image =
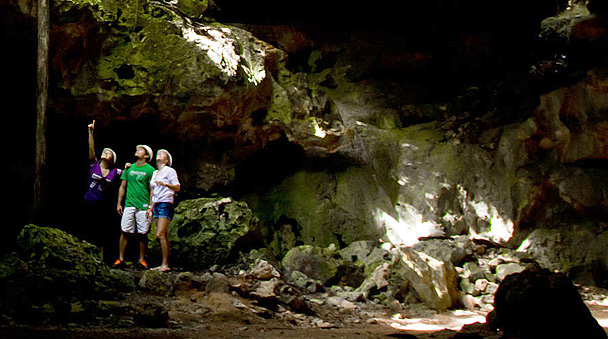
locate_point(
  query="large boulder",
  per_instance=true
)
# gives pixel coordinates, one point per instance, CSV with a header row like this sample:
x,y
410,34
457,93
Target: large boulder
x,y
54,276
410,276
530,304
314,262
209,231
435,281
449,250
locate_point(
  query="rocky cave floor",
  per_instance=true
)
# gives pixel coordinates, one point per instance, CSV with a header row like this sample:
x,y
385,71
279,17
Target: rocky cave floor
x,y
224,312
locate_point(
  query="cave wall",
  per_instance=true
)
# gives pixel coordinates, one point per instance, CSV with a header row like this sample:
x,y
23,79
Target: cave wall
x,y
342,121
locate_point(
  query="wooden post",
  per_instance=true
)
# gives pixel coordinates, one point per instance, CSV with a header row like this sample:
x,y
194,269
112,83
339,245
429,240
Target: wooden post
x,y
41,103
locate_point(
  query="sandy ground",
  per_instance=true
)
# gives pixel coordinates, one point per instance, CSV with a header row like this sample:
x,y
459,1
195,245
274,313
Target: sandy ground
x,y
195,314
222,321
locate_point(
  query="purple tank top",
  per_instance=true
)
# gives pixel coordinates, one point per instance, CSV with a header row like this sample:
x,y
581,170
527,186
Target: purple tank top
x,y
98,184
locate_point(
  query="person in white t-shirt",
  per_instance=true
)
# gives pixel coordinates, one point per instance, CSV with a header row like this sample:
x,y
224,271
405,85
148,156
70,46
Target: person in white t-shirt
x,y
163,185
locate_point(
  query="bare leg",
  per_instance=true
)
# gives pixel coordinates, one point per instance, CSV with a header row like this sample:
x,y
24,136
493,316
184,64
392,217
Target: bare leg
x,y
162,234
142,249
122,246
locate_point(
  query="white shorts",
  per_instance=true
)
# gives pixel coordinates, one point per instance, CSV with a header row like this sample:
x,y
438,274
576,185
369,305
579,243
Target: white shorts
x,y
132,217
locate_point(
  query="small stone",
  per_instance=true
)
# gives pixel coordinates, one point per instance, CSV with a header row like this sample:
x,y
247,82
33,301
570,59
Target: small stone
x,y
237,303
348,305
468,301
506,269
321,323
491,288
473,272
481,285
495,262
487,299
264,271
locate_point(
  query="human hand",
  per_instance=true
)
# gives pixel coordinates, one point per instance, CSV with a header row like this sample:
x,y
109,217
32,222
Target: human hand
x,y
91,126
127,165
119,209
149,214
160,183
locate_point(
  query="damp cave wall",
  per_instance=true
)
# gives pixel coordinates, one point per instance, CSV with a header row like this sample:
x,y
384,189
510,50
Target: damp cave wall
x,y
503,45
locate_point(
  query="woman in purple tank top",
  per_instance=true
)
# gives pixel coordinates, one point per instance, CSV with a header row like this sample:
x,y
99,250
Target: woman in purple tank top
x,y
101,226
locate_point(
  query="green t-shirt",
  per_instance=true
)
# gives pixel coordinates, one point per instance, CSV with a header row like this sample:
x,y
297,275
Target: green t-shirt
x,y
138,185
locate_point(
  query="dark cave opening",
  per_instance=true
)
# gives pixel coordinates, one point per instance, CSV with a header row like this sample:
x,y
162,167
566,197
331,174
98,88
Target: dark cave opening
x,y
268,166
19,69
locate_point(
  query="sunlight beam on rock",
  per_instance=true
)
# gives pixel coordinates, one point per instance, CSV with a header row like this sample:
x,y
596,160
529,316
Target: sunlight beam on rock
x,y
221,50
408,227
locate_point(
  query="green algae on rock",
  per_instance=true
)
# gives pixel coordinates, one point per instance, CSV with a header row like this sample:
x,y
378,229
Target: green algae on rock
x,y
55,276
319,206
209,231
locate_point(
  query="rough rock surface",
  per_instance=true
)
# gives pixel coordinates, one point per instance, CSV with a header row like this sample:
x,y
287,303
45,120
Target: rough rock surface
x,y
579,252
209,231
54,276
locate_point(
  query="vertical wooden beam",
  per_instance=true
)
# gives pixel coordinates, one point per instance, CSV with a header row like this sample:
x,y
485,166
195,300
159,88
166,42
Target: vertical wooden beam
x,y
41,103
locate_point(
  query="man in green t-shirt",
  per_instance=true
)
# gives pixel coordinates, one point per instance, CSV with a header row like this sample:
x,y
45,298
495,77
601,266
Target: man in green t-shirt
x,y
136,185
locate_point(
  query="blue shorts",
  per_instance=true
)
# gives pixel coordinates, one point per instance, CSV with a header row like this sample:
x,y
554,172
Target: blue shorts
x,y
163,210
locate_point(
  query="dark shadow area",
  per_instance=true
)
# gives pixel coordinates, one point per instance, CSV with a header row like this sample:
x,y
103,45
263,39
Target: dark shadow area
x,y
468,42
19,109
268,166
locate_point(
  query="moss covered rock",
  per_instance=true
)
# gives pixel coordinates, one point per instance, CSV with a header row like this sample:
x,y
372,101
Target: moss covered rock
x,y
54,276
315,262
320,206
149,47
156,282
209,231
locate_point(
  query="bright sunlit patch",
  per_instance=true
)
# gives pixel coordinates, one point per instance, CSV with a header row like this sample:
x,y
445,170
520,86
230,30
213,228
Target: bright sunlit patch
x,y
599,310
222,52
318,130
603,322
219,48
406,145
403,181
409,226
446,321
501,229
525,245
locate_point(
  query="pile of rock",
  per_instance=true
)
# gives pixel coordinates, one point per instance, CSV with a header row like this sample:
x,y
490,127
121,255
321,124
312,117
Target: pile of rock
x,y
479,281
480,266
258,292
384,274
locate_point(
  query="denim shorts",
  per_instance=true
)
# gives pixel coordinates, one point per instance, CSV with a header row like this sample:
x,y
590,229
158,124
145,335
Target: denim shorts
x,y
163,210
